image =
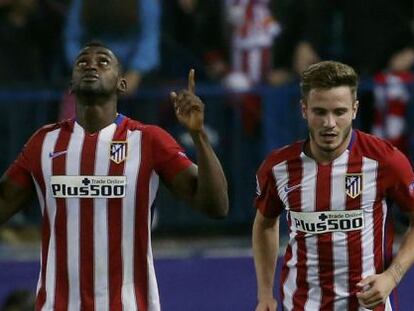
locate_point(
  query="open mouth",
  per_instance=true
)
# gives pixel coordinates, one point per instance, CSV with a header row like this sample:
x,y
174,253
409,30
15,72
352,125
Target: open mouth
x,y
90,77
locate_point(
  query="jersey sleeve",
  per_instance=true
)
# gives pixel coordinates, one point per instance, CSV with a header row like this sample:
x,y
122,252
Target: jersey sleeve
x,y
168,156
401,187
20,171
267,200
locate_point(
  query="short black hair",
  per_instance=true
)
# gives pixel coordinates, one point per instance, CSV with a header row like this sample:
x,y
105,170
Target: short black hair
x,y
95,43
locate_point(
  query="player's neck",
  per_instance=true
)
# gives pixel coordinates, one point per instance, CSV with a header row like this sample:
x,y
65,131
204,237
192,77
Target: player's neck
x,y
94,117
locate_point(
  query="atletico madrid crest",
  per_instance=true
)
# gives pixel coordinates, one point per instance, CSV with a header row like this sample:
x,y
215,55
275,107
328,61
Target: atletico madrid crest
x,y
118,151
353,185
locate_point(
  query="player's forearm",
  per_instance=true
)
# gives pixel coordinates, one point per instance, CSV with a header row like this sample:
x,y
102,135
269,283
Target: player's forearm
x,y
404,258
211,194
265,252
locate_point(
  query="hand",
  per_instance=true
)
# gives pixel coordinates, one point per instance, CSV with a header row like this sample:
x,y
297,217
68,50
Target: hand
x,y
375,289
188,107
268,304
303,57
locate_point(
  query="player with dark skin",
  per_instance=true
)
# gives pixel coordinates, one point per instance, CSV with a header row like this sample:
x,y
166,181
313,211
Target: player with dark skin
x,y
97,81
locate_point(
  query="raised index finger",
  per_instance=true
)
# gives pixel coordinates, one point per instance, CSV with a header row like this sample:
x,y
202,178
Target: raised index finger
x,y
191,82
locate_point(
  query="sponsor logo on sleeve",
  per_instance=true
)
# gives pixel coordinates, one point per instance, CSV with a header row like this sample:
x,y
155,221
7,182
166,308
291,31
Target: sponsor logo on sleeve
x,y
88,186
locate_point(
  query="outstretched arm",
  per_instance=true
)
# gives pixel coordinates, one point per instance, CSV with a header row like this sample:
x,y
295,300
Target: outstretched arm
x,y
376,288
204,185
265,250
12,198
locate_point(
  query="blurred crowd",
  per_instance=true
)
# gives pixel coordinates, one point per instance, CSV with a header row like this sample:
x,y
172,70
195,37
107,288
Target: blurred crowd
x,y
237,43
234,41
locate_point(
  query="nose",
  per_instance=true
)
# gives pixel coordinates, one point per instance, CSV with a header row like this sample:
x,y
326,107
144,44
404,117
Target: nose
x,y
91,64
329,121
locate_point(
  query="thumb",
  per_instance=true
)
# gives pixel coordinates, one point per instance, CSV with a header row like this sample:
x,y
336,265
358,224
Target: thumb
x,y
365,282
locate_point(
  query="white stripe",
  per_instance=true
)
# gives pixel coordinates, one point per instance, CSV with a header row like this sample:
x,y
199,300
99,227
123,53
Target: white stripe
x,y
48,146
73,219
153,295
289,287
131,169
384,222
339,239
369,168
281,177
254,64
100,222
308,204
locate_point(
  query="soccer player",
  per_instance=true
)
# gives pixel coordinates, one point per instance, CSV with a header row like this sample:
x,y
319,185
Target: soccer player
x,y
96,178
333,187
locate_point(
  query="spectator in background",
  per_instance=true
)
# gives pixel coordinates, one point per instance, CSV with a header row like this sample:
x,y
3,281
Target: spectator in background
x,y
129,27
252,32
21,36
369,35
193,36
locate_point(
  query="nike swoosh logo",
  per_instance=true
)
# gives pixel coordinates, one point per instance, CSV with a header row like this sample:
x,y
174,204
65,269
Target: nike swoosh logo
x,y
290,189
56,154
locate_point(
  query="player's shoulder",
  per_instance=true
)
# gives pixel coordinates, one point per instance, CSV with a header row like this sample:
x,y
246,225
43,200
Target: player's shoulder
x,y
374,147
149,130
286,153
47,128
133,124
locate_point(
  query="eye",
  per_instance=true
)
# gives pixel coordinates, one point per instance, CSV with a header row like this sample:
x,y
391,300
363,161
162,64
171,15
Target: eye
x,y
104,62
81,63
340,112
319,112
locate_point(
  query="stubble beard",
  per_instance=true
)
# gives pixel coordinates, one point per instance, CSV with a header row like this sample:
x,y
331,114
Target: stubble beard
x,y
330,149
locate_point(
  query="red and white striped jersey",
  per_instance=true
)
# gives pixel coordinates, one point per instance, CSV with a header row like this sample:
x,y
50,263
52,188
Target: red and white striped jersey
x,y
96,192
253,32
339,226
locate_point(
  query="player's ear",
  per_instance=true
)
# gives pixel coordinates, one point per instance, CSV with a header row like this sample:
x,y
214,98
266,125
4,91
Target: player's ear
x,y
122,85
70,87
355,106
303,106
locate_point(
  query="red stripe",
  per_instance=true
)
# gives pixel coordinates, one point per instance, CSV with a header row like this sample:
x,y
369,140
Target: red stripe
x,y
397,107
325,245
245,61
62,279
115,233
266,63
354,237
86,228
300,295
141,227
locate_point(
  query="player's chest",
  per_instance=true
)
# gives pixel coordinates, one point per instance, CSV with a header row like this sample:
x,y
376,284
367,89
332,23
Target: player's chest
x,y
310,187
